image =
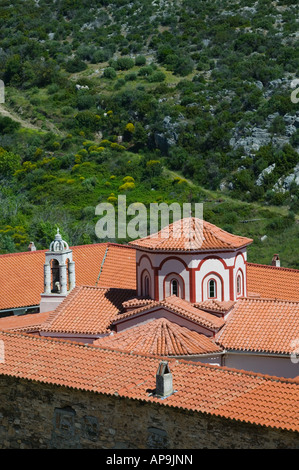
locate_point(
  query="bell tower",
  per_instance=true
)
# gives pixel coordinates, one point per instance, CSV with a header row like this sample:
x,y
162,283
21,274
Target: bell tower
x,y
59,274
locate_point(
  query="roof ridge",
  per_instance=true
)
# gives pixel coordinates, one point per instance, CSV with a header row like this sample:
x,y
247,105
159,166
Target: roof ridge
x,y
206,319
22,253
190,306
121,245
269,266
267,299
218,233
102,264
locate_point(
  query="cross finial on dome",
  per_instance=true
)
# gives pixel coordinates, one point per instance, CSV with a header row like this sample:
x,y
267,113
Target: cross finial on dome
x,y
58,244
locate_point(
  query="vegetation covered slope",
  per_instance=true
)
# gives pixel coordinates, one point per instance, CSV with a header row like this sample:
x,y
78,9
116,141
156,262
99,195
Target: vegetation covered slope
x,y
189,99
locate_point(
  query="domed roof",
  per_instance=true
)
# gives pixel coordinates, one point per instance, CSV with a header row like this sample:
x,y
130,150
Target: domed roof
x,y
58,244
191,234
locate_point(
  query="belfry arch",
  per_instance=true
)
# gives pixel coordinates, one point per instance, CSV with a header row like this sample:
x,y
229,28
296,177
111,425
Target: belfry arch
x,y
59,274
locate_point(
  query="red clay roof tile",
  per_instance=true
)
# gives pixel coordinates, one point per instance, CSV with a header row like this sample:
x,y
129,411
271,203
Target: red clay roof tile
x,y
214,305
244,396
87,310
273,282
21,274
23,322
191,234
178,306
262,325
160,337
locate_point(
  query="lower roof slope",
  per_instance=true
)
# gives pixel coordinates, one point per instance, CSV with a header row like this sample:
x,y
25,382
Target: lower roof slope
x,y
228,393
160,337
87,310
261,325
273,282
30,322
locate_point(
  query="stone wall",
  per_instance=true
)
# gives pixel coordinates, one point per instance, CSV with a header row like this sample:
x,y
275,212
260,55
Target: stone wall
x,y
42,416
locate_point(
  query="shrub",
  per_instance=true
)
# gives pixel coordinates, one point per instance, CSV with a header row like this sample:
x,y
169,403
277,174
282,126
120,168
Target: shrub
x,y
8,126
140,60
156,77
9,162
128,179
112,199
85,101
145,71
88,120
127,186
130,127
109,72
124,63
130,77
118,147
75,65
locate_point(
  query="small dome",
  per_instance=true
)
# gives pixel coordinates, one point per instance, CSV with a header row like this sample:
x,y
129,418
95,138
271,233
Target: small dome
x,y
58,244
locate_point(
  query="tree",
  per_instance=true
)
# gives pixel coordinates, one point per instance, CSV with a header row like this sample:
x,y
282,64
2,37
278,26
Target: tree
x,y
9,162
8,126
278,125
87,120
13,69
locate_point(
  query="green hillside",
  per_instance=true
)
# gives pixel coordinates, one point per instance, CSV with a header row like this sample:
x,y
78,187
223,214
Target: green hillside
x,y
178,101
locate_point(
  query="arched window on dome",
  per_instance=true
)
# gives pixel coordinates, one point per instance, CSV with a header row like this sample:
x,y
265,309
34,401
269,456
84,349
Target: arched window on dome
x,y
174,287
212,289
173,284
239,284
146,286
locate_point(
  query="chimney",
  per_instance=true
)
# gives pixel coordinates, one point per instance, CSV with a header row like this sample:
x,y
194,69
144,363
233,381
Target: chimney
x,y
31,246
164,385
276,261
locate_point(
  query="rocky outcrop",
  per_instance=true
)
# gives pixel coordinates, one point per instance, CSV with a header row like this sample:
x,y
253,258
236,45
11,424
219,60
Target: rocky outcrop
x,y
252,139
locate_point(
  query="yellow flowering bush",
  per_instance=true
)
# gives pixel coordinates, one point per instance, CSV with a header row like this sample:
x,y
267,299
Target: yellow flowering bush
x,y
127,186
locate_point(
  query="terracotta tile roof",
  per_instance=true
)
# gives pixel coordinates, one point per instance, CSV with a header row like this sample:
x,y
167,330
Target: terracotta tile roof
x,y
216,306
235,395
21,274
160,337
180,307
137,302
261,325
273,282
23,322
119,268
191,234
87,310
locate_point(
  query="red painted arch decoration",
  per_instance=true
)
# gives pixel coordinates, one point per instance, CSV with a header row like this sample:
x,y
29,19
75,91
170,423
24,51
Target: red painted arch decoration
x,y
212,257
169,278
242,292
157,269
216,277
192,274
146,284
